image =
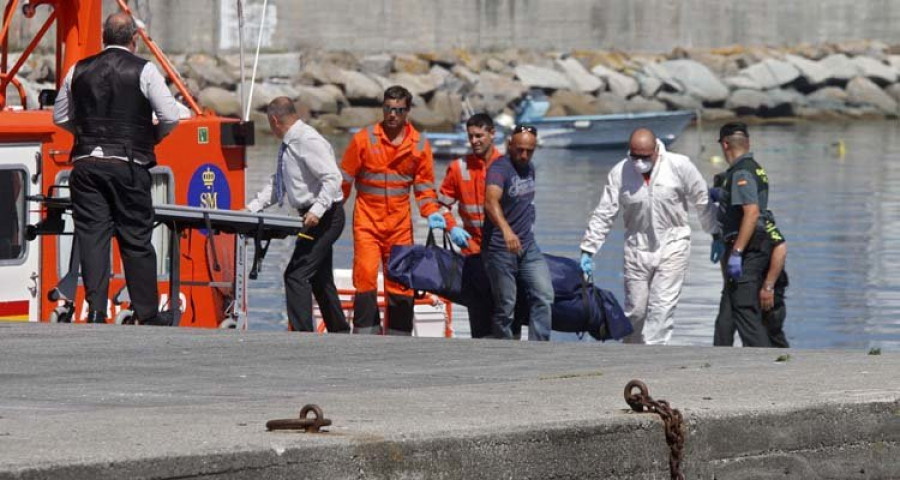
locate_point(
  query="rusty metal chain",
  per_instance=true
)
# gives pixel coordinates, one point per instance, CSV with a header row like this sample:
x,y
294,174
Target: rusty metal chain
x,y
673,422
309,425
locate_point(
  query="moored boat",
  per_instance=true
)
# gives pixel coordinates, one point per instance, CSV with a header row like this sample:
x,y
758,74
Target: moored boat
x,y
568,132
609,131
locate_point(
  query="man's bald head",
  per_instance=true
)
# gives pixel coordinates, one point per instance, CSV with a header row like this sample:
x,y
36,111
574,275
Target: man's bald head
x,y
642,139
521,145
119,29
643,145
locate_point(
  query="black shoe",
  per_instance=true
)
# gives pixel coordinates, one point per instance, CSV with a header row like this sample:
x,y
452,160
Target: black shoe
x,y
161,319
96,317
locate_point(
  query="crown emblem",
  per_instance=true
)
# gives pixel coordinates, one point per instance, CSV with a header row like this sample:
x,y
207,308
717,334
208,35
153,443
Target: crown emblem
x,y
209,177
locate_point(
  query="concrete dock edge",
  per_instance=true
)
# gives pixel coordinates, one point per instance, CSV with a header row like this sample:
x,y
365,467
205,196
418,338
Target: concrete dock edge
x,y
98,402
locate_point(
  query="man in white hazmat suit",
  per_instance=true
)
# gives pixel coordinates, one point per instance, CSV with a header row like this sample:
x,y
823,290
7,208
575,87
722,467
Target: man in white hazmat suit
x,y
653,188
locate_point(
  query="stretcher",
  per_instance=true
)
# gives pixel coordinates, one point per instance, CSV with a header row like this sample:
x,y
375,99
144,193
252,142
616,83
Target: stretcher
x,y
261,228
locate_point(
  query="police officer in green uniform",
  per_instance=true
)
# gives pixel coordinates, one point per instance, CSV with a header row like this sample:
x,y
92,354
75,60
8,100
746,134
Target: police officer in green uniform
x,y
744,218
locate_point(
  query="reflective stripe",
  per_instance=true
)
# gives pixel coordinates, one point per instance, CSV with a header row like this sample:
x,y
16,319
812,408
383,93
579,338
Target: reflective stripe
x,y
446,200
372,139
426,201
422,140
390,192
385,177
476,209
473,223
422,187
463,170
347,177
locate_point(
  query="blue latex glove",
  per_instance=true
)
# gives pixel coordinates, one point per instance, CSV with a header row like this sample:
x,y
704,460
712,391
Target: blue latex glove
x,y
715,195
587,264
460,237
716,250
734,267
436,220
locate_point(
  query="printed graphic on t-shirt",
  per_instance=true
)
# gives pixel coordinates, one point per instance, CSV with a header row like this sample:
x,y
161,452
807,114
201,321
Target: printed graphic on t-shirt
x,y
519,186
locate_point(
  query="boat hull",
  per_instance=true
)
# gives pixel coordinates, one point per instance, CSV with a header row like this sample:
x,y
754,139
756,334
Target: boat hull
x,y
609,131
578,132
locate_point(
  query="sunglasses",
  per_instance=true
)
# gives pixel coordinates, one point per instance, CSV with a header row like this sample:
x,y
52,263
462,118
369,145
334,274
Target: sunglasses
x,y
525,128
395,110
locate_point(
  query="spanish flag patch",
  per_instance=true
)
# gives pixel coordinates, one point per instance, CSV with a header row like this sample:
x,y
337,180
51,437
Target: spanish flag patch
x,y
741,182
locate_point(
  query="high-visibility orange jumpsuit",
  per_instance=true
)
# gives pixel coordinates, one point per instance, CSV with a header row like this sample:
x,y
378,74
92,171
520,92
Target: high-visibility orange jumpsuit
x,y
382,217
464,183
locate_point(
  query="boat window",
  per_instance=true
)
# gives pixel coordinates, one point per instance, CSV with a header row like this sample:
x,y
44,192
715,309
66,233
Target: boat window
x,y
12,213
161,192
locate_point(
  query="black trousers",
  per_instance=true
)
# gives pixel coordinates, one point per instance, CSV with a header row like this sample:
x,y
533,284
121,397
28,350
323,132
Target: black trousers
x,y
111,197
310,272
774,319
400,314
739,307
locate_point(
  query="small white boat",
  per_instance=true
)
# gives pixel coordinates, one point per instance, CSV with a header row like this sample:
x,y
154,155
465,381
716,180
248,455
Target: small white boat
x,y
572,132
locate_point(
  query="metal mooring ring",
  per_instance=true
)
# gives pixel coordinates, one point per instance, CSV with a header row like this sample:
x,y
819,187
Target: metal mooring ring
x,y
635,401
305,423
317,410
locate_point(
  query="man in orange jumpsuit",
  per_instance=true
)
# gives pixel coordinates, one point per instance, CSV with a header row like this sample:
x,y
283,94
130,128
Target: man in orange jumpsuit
x,y
464,183
384,161
463,186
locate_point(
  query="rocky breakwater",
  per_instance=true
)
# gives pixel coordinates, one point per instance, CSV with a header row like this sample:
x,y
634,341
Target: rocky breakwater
x,y
341,90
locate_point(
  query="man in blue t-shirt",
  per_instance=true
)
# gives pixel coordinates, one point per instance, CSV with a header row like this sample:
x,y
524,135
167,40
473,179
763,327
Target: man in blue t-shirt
x,y
508,248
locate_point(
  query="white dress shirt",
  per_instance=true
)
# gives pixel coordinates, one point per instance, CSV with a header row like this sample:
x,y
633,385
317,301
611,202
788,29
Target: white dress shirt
x,y
311,178
153,86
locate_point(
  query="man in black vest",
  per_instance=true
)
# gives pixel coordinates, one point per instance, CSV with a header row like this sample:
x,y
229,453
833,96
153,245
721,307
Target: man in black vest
x,y
747,229
107,101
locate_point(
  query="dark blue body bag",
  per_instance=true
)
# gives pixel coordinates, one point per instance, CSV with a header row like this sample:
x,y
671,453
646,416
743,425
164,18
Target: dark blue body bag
x,y
578,305
428,268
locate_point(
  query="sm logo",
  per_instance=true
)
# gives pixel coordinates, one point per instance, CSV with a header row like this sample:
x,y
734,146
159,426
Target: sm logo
x,y
209,188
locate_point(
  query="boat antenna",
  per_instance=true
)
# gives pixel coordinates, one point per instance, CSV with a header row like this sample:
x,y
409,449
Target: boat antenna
x,y
262,19
240,15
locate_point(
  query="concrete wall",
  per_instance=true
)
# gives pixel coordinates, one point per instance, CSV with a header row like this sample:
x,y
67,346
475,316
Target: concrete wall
x,y
424,25
427,25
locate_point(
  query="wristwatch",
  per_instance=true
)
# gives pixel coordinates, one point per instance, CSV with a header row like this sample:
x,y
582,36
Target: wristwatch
x,y
769,287
737,252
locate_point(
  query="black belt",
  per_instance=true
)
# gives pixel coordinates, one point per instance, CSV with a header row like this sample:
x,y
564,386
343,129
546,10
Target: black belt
x,y
302,211
103,160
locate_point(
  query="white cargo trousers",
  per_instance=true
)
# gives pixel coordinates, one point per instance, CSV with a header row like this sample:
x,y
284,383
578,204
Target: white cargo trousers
x,y
653,281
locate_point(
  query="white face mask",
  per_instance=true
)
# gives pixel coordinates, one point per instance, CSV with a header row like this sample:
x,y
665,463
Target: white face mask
x,y
642,166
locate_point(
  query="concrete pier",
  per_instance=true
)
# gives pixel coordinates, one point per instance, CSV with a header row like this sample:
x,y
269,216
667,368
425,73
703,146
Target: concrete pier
x,y
95,402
